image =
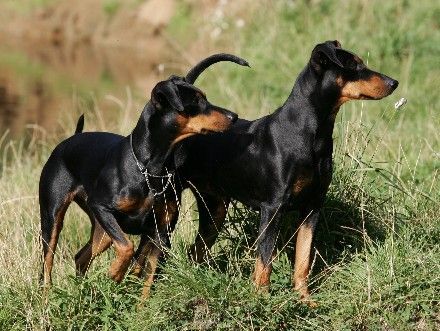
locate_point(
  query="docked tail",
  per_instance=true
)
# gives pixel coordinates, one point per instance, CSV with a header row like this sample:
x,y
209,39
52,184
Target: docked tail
x,y
80,124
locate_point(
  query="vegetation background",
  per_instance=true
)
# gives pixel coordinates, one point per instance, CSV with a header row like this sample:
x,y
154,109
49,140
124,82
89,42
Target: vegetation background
x,y
377,253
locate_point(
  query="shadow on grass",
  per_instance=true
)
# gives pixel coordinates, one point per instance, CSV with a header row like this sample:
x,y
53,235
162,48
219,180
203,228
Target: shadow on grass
x,y
342,231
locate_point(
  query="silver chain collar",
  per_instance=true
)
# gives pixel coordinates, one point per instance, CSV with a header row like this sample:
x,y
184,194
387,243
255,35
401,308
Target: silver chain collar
x,y
144,171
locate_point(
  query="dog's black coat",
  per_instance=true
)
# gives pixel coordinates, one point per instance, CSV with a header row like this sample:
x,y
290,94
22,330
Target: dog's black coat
x,y
282,161
99,171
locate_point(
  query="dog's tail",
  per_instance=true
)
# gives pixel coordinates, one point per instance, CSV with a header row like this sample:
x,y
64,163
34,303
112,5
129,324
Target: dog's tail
x,y
204,64
80,124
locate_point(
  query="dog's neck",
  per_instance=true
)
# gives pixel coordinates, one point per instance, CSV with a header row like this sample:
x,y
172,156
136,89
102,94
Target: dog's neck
x,y
317,109
152,141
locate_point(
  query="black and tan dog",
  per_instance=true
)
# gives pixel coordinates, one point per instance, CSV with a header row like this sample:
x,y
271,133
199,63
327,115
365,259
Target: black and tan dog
x,y
116,180
280,162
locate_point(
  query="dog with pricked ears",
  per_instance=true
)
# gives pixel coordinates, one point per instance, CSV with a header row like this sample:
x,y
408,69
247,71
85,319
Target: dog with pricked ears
x,y
118,181
277,163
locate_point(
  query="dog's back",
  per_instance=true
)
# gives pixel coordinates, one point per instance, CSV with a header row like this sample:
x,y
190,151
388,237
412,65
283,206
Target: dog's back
x,y
82,155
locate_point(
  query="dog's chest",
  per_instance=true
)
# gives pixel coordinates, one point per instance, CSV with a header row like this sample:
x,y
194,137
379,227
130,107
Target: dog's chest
x,y
302,181
134,205
309,179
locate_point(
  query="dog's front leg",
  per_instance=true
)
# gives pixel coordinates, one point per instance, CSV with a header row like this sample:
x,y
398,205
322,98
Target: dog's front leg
x,y
302,252
212,214
165,214
123,246
140,256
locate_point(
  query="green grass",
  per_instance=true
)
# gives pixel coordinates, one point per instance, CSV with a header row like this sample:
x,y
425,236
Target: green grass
x,y
110,7
376,253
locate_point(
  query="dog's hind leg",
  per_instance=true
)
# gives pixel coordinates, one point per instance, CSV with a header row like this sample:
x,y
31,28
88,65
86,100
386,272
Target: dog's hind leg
x,y
99,241
267,238
212,214
56,191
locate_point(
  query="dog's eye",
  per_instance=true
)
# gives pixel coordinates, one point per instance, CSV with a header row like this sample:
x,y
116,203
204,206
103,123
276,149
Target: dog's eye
x,y
351,64
191,110
202,103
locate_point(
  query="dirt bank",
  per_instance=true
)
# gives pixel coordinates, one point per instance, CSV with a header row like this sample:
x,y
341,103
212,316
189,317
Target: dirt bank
x,y
100,46
132,24
77,43
117,23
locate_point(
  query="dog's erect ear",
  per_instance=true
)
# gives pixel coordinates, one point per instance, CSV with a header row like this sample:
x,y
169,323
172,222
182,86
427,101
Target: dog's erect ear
x,y
324,54
165,94
336,43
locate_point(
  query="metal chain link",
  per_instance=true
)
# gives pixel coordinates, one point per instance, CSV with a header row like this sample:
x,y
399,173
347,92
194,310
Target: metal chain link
x,y
144,171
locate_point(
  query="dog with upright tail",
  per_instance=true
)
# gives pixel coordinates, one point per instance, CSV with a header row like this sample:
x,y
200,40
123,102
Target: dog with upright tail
x,y
117,180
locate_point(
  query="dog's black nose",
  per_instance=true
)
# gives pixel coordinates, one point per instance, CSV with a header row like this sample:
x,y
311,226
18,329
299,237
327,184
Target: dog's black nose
x,y
227,113
393,83
233,117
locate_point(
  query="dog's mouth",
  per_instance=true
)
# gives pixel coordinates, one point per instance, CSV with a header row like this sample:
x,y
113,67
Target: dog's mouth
x,y
367,97
382,94
209,131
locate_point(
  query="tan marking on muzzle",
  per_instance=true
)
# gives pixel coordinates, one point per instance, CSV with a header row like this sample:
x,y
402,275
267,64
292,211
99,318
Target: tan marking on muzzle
x,y
373,88
189,126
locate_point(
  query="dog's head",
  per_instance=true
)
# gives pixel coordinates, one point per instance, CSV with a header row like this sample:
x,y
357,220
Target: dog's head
x,y
184,109
344,74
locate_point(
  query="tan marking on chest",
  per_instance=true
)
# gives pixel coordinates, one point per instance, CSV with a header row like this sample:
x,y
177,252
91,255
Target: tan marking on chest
x,y
301,182
165,211
129,204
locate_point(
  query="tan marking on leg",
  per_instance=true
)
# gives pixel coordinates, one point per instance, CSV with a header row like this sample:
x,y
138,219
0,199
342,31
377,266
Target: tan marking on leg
x,y
98,243
165,213
139,263
52,245
141,258
119,266
261,276
152,261
302,260
205,239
